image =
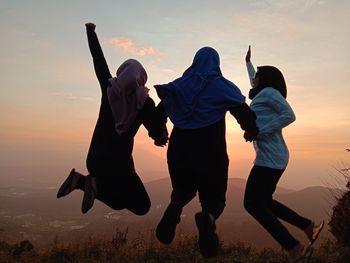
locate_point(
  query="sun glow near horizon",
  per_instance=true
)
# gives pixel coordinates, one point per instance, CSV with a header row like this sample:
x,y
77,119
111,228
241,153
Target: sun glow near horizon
x,y
50,95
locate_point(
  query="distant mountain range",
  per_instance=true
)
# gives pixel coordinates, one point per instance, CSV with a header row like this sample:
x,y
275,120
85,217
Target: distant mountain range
x,y
35,214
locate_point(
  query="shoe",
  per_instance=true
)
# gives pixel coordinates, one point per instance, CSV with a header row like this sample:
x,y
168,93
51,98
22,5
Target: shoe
x,y
69,184
208,240
313,231
90,192
296,254
166,228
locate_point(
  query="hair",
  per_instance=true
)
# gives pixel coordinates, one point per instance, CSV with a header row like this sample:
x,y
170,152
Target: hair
x,y
270,76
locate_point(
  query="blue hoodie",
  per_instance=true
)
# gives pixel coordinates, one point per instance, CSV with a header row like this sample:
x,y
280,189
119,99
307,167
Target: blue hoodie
x,y
202,95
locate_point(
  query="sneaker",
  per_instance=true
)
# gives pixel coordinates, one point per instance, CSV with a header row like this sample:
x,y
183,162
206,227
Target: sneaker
x,y
208,240
313,231
69,184
165,231
90,192
296,253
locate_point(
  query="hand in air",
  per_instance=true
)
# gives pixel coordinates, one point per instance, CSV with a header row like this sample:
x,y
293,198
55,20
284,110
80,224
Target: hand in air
x,y
247,57
91,26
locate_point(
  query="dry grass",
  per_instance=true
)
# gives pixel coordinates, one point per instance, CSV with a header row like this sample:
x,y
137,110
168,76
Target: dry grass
x,y
185,249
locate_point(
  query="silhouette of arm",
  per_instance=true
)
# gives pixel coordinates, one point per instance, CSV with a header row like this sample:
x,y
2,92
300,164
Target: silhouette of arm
x,y
251,72
250,67
246,119
100,64
154,121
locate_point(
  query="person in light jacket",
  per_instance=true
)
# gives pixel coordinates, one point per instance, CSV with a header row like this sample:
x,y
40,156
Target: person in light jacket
x,y
268,95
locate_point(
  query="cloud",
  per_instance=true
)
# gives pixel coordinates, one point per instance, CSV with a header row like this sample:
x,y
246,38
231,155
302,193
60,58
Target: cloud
x,y
72,97
289,5
128,46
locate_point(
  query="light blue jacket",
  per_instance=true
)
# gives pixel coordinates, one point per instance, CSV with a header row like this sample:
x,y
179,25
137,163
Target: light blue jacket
x,y
273,114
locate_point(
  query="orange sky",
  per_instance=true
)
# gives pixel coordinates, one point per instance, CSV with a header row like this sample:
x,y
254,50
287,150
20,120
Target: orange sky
x,y
50,96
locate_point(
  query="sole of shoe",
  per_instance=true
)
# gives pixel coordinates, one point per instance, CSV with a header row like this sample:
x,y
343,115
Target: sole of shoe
x,y
67,187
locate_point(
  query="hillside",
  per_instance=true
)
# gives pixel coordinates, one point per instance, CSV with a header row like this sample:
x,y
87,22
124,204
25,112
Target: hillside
x,y
36,214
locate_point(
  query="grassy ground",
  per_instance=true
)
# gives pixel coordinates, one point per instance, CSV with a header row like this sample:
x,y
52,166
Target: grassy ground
x,y
140,250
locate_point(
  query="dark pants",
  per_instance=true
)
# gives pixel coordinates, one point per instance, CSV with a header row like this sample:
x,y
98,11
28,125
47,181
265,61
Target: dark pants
x,y
198,162
128,193
259,203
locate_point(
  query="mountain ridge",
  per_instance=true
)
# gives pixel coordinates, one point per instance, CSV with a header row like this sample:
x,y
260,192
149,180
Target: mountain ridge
x,y
36,214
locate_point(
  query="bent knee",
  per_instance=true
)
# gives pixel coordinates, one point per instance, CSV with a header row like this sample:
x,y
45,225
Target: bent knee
x,y
140,208
140,211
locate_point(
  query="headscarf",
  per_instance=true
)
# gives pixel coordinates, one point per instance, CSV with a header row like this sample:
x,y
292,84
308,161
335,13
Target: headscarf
x,y
269,76
127,94
202,95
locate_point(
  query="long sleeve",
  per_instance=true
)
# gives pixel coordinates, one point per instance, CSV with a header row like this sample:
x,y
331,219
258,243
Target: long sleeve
x,y
285,114
154,120
246,118
251,72
100,64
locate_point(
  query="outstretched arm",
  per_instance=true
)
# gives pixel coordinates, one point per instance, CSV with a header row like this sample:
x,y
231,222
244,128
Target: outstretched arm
x,y
154,121
100,64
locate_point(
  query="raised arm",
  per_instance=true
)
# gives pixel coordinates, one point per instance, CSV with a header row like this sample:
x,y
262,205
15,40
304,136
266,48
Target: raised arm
x,y
100,64
250,67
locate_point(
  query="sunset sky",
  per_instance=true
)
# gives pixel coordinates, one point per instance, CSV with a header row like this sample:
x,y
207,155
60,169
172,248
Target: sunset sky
x,y
50,95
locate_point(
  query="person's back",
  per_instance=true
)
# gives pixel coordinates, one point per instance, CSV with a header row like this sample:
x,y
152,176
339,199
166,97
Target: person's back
x,y
197,148
273,151
125,105
197,103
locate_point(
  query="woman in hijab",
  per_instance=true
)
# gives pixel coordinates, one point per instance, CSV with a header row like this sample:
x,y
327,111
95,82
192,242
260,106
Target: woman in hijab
x,y
196,103
125,105
268,95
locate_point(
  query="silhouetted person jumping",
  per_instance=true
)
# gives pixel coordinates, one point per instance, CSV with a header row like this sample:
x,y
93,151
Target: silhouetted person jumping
x,y
196,103
125,105
268,95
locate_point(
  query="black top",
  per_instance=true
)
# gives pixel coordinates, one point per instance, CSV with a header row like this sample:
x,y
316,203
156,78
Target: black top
x,y
108,149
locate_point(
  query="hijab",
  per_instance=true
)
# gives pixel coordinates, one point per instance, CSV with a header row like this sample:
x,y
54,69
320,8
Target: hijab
x,y
269,76
127,94
201,96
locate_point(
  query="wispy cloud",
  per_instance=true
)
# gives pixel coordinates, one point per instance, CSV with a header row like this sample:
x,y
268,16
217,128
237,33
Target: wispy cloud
x,y
72,97
289,5
128,46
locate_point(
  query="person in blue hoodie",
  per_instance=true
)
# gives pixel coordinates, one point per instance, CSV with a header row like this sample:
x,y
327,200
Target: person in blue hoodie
x,y
268,95
197,103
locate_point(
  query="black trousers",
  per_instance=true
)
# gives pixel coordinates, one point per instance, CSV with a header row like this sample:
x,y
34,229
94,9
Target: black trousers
x,y
258,201
128,193
198,162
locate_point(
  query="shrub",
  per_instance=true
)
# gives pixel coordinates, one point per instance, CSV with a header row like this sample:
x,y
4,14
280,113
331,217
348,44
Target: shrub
x,y
340,218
